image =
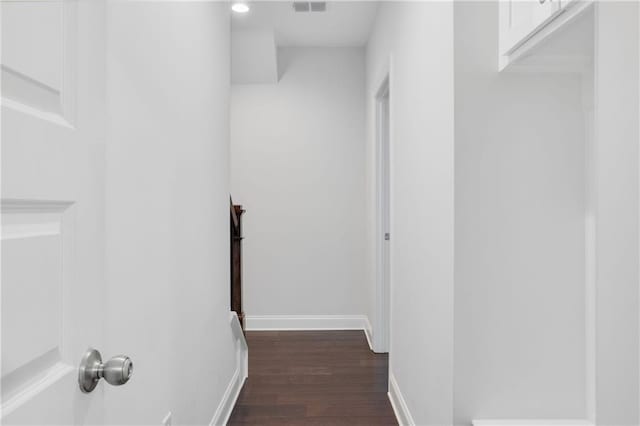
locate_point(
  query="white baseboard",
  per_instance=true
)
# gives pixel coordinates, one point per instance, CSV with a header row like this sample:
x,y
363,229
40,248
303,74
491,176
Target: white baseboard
x,y
531,422
305,322
368,333
228,402
399,405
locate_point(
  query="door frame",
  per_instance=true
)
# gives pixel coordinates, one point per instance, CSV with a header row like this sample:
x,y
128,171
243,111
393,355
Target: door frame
x,y
383,150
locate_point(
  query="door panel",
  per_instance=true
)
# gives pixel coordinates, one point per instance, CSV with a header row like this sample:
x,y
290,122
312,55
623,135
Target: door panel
x,y
52,207
38,52
32,314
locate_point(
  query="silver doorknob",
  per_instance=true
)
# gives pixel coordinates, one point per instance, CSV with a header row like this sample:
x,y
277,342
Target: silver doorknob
x,y
117,371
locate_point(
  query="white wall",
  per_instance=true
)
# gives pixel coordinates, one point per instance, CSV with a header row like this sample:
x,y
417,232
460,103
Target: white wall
x,y
167,209
520,243
254,57
415,40
297,166
616,162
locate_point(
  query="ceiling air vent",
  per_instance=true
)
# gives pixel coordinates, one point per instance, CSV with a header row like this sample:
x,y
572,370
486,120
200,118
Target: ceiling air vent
x,y
318,6
314,6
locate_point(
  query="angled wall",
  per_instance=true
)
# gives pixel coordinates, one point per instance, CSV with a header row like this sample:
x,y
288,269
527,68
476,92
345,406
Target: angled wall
x,y
414,40
168,209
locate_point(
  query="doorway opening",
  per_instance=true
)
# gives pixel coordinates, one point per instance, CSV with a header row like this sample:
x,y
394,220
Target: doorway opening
x,y
381,337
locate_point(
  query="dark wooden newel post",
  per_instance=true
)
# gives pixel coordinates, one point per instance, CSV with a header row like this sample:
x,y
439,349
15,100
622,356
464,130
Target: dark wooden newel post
x,y
236,261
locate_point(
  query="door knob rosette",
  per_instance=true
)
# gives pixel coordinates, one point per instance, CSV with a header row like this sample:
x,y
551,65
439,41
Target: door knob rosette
x,y
116,371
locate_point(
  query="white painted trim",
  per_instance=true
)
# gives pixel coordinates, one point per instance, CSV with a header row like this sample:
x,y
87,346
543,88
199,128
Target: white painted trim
x,y
382,318
532,422
368,333
398,404
228,402
590,252
305,322
511,60
225,408
242,349
20,231
51,117
43,382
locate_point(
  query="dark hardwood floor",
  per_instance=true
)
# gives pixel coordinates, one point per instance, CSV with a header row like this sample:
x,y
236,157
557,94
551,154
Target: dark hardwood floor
x,y
313,378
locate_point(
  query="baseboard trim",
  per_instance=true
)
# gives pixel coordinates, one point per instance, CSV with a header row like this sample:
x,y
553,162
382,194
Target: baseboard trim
x,y
231,394
368,333
399,405
228,400
305,322
531,422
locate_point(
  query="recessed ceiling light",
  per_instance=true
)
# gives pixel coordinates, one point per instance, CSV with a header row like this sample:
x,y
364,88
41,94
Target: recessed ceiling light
x,y
240,7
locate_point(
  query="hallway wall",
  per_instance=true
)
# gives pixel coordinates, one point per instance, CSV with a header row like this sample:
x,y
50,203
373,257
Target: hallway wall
x,y
616,212
415,41
167,211
297,166
519,234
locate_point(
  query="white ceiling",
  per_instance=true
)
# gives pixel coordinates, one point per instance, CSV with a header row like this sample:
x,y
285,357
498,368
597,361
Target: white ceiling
x,y
344,24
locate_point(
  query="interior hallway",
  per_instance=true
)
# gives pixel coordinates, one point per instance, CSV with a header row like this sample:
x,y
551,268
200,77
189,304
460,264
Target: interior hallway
x,y
313,378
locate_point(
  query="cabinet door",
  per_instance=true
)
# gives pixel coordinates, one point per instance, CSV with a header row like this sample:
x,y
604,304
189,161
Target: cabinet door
x,y
519,19
543,12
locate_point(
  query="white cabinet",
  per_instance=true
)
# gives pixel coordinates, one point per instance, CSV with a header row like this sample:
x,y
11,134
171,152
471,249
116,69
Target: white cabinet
x,y
523,23
519,19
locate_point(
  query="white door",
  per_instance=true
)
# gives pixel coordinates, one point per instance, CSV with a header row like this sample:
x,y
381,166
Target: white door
x,y
383,294
53,104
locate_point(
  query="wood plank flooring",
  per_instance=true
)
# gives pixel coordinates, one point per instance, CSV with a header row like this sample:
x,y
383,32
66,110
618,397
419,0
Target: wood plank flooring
x,y
313,378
